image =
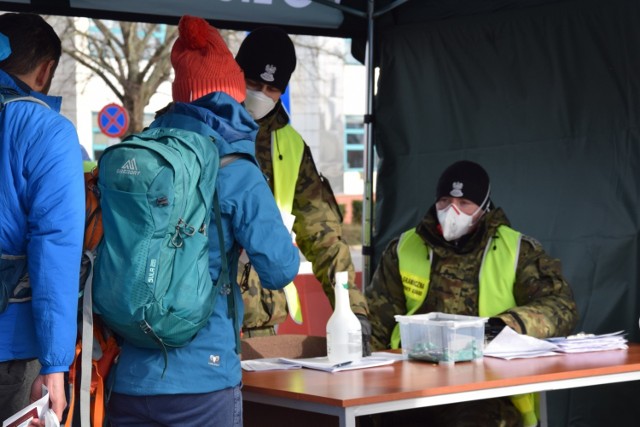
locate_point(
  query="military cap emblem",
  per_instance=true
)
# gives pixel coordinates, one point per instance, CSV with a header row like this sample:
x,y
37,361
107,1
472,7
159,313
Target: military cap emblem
x,y
269,71
456,190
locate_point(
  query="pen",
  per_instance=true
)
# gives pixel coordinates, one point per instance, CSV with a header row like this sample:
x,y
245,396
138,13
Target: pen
x,y
340,365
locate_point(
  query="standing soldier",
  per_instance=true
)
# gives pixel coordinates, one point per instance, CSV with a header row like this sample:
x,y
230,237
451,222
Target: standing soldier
x,y
267,57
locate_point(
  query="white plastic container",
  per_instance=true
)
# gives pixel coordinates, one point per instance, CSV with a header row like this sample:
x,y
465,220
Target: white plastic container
x,y
442,338
344,334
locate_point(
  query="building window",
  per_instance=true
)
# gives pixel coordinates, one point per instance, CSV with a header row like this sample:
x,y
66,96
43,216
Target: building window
x,y
354,144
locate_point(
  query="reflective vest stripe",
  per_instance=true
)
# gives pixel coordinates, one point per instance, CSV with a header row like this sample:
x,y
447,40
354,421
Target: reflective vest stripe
x,y
528,406
287,148
413,269
498,268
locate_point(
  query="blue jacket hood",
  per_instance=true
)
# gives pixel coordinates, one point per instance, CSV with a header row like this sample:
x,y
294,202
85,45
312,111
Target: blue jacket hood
x,y
6,80
226,117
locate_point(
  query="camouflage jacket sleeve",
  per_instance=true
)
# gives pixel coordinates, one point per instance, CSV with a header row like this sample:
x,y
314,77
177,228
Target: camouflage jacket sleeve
x,y
545,303
318,228
385,297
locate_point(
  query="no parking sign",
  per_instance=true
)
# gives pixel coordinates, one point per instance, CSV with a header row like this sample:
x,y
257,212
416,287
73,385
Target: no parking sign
x,y
113,120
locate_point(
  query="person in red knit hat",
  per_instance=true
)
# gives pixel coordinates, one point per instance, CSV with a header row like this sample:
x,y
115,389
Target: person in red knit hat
x,y
201,383
203,64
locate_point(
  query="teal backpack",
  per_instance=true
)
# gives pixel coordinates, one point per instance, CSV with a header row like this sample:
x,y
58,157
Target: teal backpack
x,y
157,189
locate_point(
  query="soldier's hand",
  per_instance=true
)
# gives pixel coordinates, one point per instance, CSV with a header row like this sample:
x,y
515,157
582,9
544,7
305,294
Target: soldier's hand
x,y
492,328
365,326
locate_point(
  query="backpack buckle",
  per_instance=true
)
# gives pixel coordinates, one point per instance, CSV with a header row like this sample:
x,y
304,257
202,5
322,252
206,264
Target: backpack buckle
x,y
146,327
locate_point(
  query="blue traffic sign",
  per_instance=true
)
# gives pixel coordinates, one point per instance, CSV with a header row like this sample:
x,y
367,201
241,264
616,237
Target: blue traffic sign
x,y
113,120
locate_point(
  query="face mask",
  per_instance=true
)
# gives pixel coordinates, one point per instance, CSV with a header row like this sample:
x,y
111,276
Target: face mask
x,y
258,104
454,223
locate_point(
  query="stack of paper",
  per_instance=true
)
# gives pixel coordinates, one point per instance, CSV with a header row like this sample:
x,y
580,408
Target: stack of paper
x,y
319,363
323,363
582,342
509,344
267,364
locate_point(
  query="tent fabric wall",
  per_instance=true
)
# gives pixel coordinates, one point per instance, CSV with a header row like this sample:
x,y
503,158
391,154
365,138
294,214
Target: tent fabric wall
x,y
543,93
547,99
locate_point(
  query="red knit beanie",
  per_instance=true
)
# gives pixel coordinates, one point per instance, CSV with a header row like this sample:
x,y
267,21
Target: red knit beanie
x,y
203,63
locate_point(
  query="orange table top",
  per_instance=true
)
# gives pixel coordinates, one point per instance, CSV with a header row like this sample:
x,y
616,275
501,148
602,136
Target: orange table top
x,y
415,379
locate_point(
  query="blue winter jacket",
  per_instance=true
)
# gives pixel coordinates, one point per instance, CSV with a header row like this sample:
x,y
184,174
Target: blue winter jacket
x,y
42,217
250,219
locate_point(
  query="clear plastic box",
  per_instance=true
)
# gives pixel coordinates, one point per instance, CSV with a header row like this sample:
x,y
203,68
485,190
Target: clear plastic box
x,y
442,338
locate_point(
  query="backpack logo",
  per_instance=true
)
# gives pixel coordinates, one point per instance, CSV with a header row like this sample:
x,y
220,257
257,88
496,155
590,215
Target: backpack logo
x,y
151,274
130,167
269,71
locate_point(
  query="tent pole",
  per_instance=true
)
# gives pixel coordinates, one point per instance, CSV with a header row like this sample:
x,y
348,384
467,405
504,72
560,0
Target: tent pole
x,y
367,202
369,155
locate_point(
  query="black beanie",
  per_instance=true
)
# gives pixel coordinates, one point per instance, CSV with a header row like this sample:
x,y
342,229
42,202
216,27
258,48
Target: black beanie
x,y
267,55
465,179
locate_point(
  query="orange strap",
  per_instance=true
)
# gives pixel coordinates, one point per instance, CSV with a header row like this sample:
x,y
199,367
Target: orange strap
x,y
97,407
101,368
100,371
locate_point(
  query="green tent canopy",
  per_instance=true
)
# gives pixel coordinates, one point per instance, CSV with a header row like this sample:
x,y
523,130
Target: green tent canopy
x,y
544,94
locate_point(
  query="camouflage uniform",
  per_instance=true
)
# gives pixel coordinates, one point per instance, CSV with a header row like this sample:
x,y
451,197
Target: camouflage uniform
x,y
545,304
318,229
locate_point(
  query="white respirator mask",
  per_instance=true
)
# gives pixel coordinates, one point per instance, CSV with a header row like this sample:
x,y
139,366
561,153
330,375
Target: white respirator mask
x,y
258,104
454,222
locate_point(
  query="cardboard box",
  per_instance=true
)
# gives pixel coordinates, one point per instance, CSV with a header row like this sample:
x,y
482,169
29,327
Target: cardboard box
x,y
442,338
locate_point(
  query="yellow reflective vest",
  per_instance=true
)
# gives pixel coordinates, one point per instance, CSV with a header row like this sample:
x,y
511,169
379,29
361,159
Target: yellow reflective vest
x,y
496,279
286,167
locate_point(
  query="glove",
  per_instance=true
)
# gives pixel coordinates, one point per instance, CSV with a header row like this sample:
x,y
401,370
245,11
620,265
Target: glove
x,y
493,327
365,326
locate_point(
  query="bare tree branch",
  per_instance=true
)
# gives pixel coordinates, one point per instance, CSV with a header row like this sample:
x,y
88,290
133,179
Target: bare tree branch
x,y
132,59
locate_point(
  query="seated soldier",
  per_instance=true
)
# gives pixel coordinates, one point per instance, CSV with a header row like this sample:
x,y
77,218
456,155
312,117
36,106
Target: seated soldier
x,y
464,258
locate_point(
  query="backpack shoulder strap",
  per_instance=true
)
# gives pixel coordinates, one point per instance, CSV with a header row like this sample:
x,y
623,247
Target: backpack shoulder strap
x,y
8,95
87,347
182,121
224,280
225,160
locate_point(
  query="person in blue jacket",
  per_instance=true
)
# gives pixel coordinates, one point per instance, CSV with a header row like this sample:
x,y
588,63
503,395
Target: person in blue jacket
x,y
201,384
41,219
